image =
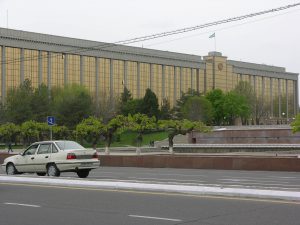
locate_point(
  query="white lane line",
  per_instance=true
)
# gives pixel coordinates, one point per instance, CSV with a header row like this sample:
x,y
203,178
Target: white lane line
x,y
19,204
155,218
260,178
165,179
260,184
157,174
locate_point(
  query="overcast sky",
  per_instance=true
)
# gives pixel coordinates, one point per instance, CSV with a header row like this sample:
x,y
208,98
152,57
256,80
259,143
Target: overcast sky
x,y
271,39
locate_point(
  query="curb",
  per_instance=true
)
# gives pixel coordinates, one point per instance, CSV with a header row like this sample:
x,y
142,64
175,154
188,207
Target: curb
x,y
168,188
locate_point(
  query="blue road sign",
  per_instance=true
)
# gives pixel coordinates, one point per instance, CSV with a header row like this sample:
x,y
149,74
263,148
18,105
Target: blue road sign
x,y
51,120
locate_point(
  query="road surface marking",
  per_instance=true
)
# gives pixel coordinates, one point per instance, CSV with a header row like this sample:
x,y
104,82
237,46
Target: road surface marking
x,y
19,204
155,218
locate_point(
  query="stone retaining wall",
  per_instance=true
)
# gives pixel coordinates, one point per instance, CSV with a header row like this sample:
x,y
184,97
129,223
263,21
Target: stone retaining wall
x,y
201,162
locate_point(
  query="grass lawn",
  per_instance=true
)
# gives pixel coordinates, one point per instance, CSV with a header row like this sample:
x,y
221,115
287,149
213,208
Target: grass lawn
x,y
128,139
125,139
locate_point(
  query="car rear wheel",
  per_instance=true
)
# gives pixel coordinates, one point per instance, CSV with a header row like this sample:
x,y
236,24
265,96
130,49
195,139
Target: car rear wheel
x,y
11,169
41,174
83,173
53,171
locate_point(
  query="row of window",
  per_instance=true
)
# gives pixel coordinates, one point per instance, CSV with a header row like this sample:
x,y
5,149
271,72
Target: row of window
x,y
166,81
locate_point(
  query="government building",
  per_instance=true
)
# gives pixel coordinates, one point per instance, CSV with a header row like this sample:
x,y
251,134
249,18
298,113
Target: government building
x,y
105,69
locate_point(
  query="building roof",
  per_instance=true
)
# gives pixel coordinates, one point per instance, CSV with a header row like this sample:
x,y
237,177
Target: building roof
x,y
53,43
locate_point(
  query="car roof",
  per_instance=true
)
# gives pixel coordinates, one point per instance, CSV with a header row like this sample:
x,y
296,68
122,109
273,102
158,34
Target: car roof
x,y
45,142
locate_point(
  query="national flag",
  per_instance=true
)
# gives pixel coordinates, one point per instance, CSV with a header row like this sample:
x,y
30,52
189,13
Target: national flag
x,y
213,35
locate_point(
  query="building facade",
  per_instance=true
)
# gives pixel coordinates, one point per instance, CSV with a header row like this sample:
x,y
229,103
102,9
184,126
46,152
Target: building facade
x,y
105,69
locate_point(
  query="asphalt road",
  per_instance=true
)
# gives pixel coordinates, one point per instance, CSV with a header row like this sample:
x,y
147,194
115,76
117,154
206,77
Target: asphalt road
x,y
36,205
225,178
286,181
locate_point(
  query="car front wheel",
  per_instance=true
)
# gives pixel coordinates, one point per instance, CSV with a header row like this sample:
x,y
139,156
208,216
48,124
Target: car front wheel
x,y
11,169
53,171
83,173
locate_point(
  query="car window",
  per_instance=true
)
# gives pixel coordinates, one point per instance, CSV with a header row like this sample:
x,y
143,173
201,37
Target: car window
x,y
44,149
31,150
69,145
54,149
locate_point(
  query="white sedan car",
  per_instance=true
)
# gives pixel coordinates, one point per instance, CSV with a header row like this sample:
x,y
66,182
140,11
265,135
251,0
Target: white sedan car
x,y
52,158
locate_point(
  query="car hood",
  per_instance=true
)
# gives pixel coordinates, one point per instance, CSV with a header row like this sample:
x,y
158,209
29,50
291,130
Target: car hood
x,y
10,158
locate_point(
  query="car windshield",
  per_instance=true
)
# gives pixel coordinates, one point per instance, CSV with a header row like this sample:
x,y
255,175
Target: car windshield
x,y
69,145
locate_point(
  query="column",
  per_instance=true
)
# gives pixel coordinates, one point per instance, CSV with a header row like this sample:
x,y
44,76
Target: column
x,y
125,73
214,74
111,63
192,78
81,70
205,82
97,79
163,82
3,57
263,90
65,56
175,85
271,97
180,85
296,100
198,80
138,79
279,96
22,65
40,67
287,99
49,72
151,76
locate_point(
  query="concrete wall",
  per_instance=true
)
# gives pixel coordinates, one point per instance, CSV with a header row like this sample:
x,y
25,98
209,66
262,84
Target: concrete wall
x,y
201,162
255,136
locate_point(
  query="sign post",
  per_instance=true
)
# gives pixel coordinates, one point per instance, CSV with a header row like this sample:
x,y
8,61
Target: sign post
x,y
51,122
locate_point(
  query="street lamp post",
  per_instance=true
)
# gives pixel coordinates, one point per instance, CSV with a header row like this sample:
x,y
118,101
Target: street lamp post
x,y
283,114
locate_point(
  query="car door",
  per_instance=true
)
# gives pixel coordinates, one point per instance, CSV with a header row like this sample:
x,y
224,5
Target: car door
x,y
26,161
42,157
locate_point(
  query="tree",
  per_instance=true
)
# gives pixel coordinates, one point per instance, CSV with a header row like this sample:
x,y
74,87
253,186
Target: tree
x,y
41,103
132,107
175,127
141,123
60,132
106,107
71,104
125,96
296,124
261,109
216,98
245,89
235,106
165,111
90,129
115,125
177,110
31,131
150,105
2,113
197,108
9,132
18,103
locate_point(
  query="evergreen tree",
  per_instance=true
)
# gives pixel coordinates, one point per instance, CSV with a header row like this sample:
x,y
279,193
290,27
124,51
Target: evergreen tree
x,y
71,105
150,105
18,103
165,111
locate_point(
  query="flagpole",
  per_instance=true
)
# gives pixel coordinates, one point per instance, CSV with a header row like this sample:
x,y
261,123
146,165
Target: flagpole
x,y
215,43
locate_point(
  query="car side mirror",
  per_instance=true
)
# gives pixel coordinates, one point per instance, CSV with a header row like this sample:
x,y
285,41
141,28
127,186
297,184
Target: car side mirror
x,y
21,153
